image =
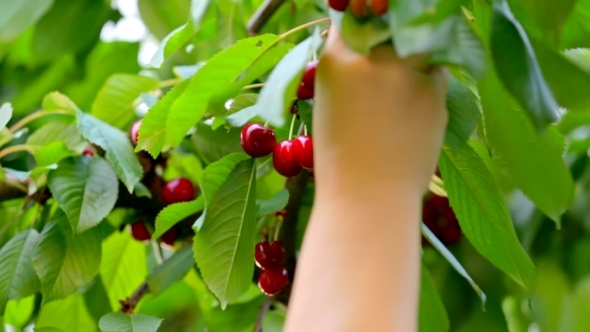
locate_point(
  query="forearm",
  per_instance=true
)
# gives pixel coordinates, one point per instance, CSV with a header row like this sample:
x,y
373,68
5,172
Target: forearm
x,y
359,266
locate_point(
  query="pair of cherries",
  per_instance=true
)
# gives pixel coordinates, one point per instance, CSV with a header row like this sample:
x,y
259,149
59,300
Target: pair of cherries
x,y
306,89
174,191
377,7
440,218
289,156
269,257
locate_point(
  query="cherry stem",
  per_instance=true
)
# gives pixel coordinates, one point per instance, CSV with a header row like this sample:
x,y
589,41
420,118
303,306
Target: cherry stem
x,y
266,123
278,228
292,126
264,163
253,86
34,116
16,148
304,130
157,253
303,26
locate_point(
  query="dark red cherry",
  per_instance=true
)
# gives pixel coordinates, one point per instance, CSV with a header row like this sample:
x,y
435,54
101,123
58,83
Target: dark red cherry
x,y
450,235
379,7
284,160
273,281
258,140
269,254
134,133
178,190
304,92
303,151
339,5
308,79
170,236
88,152
139,231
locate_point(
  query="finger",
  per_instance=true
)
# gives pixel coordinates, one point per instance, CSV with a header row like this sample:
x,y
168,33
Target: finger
x,y
358,8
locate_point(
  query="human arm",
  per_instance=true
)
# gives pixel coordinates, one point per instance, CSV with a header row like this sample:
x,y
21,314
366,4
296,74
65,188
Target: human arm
x,y
379,122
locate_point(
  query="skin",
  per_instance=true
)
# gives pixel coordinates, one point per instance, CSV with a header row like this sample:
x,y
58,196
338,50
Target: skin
x,y
379,123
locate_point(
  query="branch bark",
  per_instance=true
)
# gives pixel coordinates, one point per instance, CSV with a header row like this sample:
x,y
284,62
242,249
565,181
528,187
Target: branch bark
x,y
263,310
262,15
128,306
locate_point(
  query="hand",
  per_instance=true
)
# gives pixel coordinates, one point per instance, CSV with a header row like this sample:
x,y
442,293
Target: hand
x,y
377,118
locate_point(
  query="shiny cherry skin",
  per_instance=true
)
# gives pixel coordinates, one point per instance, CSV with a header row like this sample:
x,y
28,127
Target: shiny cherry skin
x,y
139,231
284,161
169,237
273,281
88,152
258,140
269,254
379,7
339,5
308,79
135,132
303,92
178,190
303,151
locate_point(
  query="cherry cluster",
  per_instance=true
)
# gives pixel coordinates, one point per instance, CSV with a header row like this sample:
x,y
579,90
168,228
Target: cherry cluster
x,y
440,218
269,257
174,191
289,156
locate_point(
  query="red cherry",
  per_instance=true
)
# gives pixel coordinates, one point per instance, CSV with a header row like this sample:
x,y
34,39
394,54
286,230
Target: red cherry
x,y
308,79
284,161
304,92
258,140
178,190
450,235
303,151
88,152
269,254
273,281
170,236
379,7
139,231
135,132
339,5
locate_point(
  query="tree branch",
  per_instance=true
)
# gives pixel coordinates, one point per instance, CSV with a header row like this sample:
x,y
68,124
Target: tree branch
x,y
262,15
128,305
296,186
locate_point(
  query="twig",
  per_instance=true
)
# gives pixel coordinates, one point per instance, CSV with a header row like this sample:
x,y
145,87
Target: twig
x,y
128,306
262,15
261,314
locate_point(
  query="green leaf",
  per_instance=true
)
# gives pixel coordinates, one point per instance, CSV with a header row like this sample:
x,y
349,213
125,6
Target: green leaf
x,y
274,204
18,278
63,260
17,16
19,312
514,143
140,190
96,299
548,15
152,132
52,153
427,233
576,32
86,189
361,35
517,67
64,315
463,113
5,114
171,271
55,101
123,267
56,131
171,122
557,69
242,101
211,145
121,322
432,316
119,151
277,94
114,103
483,213
174,213
216,174
172,42
224,246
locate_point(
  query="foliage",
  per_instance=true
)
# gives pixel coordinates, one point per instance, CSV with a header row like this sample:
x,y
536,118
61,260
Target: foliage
x,y
514,164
